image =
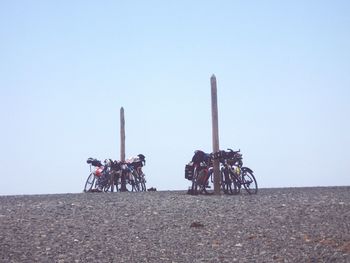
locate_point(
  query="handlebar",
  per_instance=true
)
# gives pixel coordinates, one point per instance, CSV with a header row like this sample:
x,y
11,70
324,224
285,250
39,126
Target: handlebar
x,y
233,150
224,154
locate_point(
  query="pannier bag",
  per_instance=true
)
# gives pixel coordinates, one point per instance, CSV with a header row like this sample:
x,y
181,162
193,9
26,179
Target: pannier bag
x,y
138,161
200,156
202,177
99,172
94,162
189,171
142,157
115,165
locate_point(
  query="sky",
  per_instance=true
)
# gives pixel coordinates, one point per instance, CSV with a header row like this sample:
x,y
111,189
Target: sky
x,y
67,67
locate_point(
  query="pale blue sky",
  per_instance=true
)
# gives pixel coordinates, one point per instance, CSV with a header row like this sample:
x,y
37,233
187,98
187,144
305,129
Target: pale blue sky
x,y
66,68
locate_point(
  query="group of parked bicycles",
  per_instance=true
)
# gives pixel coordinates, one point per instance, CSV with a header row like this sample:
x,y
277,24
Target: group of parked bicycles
x,y
233,175
111,176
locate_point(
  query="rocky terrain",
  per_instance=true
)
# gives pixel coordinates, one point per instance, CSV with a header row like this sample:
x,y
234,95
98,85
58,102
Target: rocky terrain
x,y
276,225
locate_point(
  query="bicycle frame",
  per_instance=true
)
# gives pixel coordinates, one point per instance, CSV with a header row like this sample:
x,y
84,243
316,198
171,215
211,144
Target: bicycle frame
x,y
200,181
115,173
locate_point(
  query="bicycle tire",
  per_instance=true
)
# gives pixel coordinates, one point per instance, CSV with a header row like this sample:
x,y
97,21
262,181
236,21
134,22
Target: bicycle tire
x,y
226,181
117,181
249,182
142,181
137,182
235,183
143,185
90,181
108,187
136,187
193,190
209,183
129,186
114,181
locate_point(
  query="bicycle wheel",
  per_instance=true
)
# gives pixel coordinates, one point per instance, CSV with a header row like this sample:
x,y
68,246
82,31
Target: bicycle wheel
x,y
124,181
207,184
235,183
143,183
194,186
129,182
136,186
90,181
225,181
117,181
113,181
109,186
130,186
137,183
249,182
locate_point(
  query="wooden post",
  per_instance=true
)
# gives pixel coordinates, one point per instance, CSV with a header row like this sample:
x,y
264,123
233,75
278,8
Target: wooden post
x,y
215,133
122,135
122,148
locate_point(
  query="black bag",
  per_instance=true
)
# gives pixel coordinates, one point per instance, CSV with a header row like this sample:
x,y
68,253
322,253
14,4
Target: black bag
x,y
115,165
94,162
200,156
189,171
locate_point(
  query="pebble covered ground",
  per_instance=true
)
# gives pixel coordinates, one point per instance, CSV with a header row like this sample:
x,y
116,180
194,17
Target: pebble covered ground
x,y
276,225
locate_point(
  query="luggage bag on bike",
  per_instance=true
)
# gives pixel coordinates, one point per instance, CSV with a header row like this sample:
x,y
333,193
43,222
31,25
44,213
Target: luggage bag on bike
x,y
189,171
94,162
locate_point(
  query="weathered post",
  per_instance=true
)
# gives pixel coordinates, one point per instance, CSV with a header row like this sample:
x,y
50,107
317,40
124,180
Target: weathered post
x,y
215,133
122,148
122,135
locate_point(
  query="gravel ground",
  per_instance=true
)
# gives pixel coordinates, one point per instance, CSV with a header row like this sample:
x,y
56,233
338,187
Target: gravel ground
x,y
276,225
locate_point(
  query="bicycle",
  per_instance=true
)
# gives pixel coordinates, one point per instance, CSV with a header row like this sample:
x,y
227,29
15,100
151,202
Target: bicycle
x,y
136,175
99,176
199,171
234,175
114,176
227,184
132,177
118,175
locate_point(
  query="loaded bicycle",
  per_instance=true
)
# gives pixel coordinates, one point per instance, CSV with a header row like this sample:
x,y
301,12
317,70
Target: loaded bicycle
x,y
234,175
116,175
199,171
99,177
131,176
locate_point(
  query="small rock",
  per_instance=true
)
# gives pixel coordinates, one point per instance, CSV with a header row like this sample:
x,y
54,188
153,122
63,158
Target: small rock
x,y
196,224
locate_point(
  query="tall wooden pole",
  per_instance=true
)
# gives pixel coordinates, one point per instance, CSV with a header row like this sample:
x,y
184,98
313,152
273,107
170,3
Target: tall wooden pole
x,y
215,133
122,135
122,148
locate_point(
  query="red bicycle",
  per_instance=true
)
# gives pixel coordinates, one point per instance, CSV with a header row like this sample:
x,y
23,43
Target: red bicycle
x,y
200,172
99,177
